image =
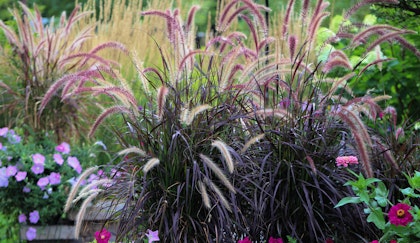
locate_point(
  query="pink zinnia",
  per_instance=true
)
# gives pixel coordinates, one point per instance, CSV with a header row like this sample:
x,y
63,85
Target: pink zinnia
x,y
245,240
275,240
393,241
102,236
374,241
399,214
346,160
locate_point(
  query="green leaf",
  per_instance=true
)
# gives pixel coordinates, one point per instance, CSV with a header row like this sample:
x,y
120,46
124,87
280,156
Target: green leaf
x,y
376,216
347,200
409,192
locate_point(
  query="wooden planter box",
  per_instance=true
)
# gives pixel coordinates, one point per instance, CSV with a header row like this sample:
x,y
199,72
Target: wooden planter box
x,y
93,220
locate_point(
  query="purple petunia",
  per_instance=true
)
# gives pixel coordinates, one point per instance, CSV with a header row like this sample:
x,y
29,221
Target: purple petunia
x,y
63,148
4,179
37,169
22,218
31,234
34,217
38,158
26,189
55,178
21,175
43,182
11,170
58,159
75,164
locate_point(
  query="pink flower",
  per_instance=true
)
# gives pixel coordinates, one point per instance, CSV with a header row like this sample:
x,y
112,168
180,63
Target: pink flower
x,y
63,148
329,240
275,240
399,214
34,217
37,169
75,164
346,160
31,234
54,178
11,170
43,182
102,236
374,241
245,240
22,218
58,159
393,241
152,235
21,175
3,131
38,159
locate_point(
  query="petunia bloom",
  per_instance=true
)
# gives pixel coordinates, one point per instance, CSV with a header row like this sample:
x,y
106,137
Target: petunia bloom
x,y
63,148
4,179
152,235
26,189
3,131
58,159
399,214
275,240
34,217
11,170
21,175
31,234
22,218
245,240
43,182
74,163
38,158
54,178
346,160
37,169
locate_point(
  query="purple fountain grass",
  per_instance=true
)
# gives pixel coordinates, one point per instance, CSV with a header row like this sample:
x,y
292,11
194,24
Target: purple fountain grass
x,y
287,18
362,3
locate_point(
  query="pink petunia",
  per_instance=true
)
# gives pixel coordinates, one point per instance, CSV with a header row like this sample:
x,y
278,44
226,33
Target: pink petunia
x,y
54,178
152,235
74,163
58,159
38,158
11,170
63,148
3,131
43,182
21,175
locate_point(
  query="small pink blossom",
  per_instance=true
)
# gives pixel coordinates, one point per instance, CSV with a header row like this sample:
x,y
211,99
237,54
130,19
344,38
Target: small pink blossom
x,y
374,241
102,236
152,235
58,159
346,160
21,175
75,164
63,148
245,240
38,158
275,240
3,131
399,214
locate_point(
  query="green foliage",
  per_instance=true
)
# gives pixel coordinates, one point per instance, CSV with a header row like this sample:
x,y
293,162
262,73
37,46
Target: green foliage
x,y
373,194
9,229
